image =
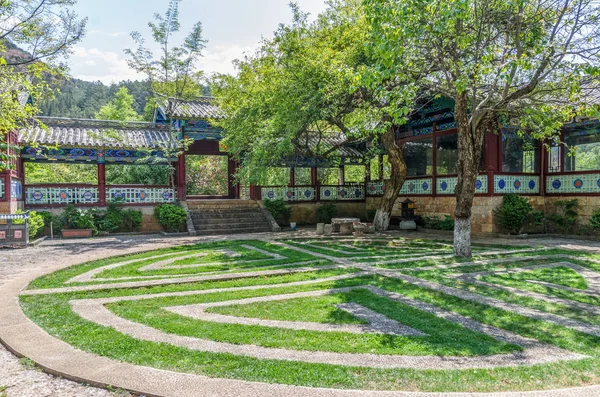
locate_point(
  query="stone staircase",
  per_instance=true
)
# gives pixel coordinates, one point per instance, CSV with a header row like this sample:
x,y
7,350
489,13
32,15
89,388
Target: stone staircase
x,y
217,217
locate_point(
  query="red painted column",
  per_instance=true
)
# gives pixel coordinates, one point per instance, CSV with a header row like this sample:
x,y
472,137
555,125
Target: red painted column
x,y
314,181
180,178
102,185
292,177
234,192
342,179
492,150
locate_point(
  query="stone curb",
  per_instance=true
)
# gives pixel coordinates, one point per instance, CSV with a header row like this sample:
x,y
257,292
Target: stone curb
x,y
58,358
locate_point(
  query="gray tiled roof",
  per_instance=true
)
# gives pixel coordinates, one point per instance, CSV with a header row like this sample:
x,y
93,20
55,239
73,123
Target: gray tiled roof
x,y
98,133
201,108
334,143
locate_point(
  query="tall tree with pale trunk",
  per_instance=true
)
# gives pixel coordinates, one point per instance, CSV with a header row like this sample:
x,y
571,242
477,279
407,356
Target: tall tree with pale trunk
x,y
527,61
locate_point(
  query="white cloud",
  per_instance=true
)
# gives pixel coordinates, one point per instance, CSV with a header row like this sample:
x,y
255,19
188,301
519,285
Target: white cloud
x,y
219,59
109,34
107,66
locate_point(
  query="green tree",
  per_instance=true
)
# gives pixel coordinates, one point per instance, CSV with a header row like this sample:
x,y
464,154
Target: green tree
x,y
120,108
524,62
47,29
308,84
174,73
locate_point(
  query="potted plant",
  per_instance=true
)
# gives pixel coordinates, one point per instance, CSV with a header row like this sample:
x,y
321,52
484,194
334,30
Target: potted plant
x,y
77,223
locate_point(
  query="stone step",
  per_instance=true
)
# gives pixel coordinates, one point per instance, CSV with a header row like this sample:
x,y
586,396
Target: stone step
x,y
227,204
220,227
227,216
224,211
239,219
231,231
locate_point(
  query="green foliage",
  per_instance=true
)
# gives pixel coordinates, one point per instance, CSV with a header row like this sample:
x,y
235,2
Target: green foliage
x,y
436,223
75,218
36,223
48,30
326,212
513,213
173,74
120,108
595,219
84,99
280,211
565,218
171,217
47,216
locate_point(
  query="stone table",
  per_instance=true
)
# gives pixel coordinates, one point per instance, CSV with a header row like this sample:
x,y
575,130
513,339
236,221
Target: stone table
x,y
338,222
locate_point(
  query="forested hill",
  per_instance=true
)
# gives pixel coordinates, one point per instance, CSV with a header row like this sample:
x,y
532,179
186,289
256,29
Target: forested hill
x,y
78,98
83,99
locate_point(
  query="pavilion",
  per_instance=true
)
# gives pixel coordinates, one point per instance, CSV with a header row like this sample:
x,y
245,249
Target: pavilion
x,y
511,164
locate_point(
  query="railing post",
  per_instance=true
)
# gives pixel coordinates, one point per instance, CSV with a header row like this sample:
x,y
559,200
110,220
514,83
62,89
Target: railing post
x,y
314,181
102,185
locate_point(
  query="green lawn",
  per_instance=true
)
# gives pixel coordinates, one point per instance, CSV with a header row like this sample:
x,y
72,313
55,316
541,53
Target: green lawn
x,y
443,338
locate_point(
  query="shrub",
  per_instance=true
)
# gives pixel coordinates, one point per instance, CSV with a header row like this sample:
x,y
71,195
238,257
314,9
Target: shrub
x,y
111,220
171,217
36,224
47,217
73,218
117,219
565,218
326,212
513,213
280,211
432,222
132,220
595,219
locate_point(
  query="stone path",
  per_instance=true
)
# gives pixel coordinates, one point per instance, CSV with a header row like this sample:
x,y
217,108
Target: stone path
x,y
473,297
96,369
94,310
377,323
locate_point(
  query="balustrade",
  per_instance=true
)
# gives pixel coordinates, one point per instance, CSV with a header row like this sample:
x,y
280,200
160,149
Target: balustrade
x,y
90,195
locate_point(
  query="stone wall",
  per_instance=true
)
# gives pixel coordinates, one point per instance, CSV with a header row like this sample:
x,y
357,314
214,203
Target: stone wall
x,y
483,221
149,224
306,213
10,207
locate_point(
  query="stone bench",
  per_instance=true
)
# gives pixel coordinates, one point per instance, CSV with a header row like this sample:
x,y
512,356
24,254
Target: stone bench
x,y
344,226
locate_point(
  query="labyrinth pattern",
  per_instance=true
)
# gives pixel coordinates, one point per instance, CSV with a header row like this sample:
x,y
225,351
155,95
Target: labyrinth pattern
x,y
364,311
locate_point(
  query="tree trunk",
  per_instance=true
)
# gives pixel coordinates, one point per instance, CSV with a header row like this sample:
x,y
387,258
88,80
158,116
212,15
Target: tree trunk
x,y
470,148
394,184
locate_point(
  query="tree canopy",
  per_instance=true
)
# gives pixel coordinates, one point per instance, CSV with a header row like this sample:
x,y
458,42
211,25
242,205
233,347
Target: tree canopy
x,y
120,108
47,29
525,64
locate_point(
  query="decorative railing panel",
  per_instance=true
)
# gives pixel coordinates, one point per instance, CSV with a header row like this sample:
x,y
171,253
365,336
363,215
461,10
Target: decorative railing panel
x,y
343,193
375,188
61,195
447,185
16,189
140,195
575,183
520,184
2,188
306,193
417,186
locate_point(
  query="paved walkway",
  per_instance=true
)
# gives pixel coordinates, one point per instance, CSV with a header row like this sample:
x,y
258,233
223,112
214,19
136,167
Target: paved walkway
x,y
20,267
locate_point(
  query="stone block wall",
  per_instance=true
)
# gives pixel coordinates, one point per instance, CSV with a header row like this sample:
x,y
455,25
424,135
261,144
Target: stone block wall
x,y
306,213
149,223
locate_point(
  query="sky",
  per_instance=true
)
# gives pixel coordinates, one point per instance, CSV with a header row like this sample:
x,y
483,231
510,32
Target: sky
x,y
232,28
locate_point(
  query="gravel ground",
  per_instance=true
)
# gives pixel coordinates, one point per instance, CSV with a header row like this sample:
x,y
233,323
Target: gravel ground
x,y
20,380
